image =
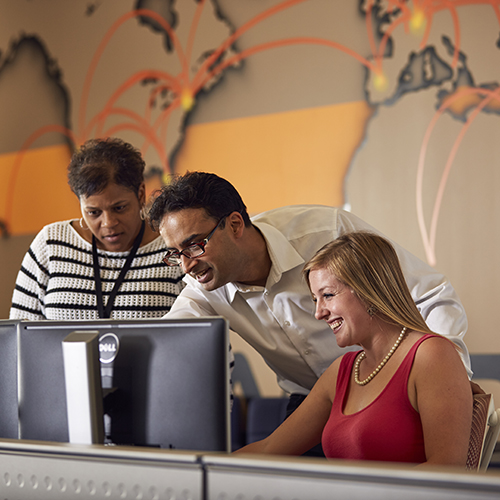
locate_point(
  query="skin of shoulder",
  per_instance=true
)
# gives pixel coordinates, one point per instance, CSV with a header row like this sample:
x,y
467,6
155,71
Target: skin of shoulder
x,y
440,391
327,383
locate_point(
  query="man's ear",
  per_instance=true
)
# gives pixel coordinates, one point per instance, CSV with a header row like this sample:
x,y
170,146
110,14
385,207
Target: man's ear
x,y
236,224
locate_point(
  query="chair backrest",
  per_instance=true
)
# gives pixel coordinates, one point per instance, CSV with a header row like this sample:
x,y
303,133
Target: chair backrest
x,y
264,415
484,432
489,386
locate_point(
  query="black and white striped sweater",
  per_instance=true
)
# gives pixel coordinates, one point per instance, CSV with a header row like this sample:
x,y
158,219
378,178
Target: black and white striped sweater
x,y
56,280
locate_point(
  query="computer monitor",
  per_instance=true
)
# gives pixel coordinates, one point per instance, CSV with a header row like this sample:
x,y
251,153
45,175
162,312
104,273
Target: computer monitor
x,y
8,379
168,381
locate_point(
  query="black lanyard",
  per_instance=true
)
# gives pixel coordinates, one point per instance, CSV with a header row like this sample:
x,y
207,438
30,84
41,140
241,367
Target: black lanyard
x,y
106,312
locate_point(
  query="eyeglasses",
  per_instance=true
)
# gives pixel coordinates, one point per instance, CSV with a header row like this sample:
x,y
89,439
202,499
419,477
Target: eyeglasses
x,y
173,257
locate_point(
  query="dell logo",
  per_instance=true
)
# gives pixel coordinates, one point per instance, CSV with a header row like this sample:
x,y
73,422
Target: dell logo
x,y
108,347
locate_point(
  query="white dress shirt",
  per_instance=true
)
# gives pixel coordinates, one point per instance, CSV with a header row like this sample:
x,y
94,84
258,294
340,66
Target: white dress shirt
x,y
278,319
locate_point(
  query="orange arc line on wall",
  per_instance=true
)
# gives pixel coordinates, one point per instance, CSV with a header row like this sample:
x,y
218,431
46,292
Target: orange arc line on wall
x,y
137,77
429,239
95,60
240,31
283,43
485,101
193,28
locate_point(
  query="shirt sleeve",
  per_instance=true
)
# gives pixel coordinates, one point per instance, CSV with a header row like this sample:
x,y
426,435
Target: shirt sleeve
x,y
190,303
31,283
433,294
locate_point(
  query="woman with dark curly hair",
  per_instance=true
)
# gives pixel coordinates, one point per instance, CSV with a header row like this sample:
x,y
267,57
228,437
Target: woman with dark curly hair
x,y
108,263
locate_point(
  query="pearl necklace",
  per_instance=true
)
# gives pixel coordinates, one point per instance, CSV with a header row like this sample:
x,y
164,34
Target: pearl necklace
x,y
380,366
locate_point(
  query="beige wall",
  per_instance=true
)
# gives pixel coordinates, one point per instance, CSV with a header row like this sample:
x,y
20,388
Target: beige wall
x,y
12,251
310,114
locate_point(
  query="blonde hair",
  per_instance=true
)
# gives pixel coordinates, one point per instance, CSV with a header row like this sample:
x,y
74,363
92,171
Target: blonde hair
x,y
369,265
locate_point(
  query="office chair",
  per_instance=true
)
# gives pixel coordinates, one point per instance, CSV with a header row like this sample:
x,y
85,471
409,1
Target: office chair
x,y
484,432
264,415
486,369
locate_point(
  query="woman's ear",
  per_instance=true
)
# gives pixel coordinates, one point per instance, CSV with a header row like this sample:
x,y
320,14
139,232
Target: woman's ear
x,y
141,194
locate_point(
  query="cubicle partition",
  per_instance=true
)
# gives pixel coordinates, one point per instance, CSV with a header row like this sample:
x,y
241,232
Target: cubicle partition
x,y
8,379
42,470
298,478
45,471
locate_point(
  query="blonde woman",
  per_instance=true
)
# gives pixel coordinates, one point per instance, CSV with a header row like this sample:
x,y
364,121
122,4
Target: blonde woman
x,y
405,396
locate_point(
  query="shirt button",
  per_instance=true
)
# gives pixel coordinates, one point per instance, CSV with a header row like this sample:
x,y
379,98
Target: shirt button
x,y
287,323
307,351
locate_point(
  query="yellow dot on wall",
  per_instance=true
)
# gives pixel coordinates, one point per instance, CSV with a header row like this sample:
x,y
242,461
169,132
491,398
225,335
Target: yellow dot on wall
x,y
166,178
187,100
418,21
380,82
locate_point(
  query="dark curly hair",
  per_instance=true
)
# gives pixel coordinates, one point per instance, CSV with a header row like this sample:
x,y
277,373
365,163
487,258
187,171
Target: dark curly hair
x,y
99,162
197,190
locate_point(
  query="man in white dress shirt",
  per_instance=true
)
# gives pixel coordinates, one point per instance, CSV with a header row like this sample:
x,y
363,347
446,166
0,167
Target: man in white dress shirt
x,y
249,271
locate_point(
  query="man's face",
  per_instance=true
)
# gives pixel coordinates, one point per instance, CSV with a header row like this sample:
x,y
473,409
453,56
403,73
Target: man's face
x,y
219,264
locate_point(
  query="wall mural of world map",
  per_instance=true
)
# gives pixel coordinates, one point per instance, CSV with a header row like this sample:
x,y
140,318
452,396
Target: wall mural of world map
x,y
387,107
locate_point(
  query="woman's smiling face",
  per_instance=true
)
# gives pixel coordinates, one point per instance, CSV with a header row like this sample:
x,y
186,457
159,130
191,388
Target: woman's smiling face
x,y
340,307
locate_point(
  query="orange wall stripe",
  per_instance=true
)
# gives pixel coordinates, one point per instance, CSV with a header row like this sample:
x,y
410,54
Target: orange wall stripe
x,y
280,159
41,192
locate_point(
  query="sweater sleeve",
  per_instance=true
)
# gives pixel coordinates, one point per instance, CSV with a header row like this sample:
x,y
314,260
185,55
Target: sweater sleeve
x,y
28,299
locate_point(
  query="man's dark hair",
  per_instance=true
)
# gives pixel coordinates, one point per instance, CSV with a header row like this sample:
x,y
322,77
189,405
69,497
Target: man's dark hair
x,y
99,162
197,190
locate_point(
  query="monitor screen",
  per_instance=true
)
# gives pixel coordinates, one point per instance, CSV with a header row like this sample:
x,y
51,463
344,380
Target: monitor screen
x,y
167,381
8,379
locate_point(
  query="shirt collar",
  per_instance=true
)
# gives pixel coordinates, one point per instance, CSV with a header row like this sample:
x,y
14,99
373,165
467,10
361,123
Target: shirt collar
x,y
283,256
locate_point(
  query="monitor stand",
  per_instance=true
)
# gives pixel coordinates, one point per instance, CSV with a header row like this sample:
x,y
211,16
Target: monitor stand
x,y
83,388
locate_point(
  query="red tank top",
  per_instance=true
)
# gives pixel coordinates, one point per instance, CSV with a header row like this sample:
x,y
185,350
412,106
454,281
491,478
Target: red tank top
x,y
388,429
